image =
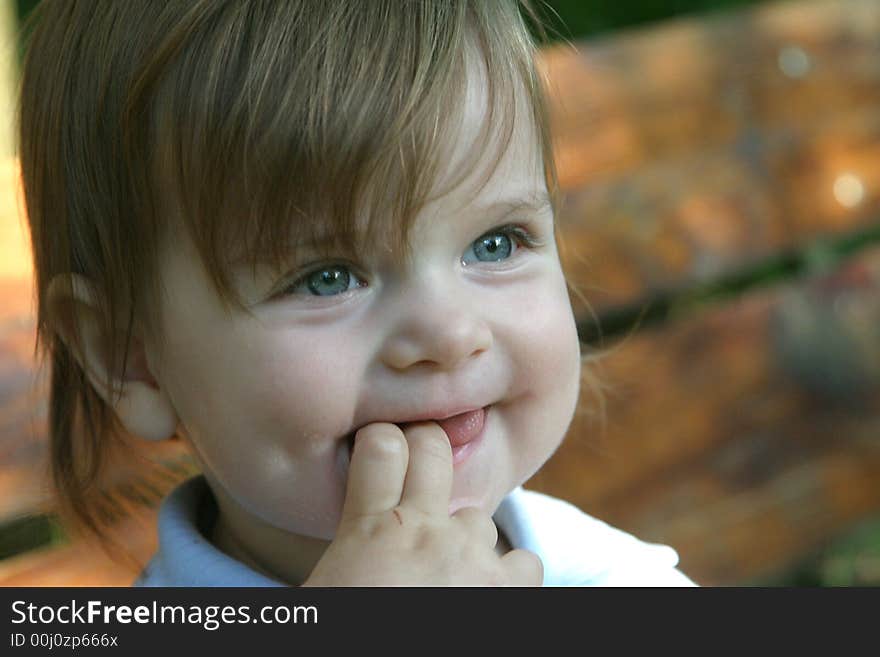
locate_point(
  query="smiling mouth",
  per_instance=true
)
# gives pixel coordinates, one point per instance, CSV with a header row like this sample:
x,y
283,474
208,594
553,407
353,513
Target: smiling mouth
x,y
462,430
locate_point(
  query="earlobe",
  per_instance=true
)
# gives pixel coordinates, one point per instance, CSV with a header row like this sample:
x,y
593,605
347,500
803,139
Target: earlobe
x,y
143,407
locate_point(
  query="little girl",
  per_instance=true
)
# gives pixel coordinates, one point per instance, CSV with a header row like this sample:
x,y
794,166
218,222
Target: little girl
x,y
314,240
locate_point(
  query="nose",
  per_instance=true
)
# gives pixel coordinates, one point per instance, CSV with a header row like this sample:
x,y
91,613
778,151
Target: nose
x,y
439,328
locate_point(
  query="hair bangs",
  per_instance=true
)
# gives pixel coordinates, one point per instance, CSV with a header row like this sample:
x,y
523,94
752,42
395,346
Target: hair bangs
x,y
266,151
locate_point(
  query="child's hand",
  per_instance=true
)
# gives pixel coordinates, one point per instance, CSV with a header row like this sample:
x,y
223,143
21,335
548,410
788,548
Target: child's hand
x,y
396,529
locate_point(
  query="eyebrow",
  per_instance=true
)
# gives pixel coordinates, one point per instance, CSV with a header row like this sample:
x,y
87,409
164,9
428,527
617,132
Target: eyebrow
x,y
536,201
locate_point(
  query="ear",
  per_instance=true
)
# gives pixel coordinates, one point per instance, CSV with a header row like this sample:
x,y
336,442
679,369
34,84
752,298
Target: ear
x,y
144,407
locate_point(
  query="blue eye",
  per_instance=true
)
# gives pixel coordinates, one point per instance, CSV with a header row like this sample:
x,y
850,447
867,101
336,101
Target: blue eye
x,y
333,280
499,244
326,281
495,247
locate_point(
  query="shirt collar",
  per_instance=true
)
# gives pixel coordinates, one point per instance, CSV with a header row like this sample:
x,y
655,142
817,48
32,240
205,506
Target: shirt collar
x,y
185,556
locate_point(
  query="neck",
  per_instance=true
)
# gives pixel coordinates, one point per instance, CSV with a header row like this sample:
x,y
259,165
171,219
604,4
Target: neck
x,y
279,554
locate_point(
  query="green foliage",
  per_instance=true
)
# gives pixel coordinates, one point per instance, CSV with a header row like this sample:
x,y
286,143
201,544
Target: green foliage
x,y
851,560
577,19
28,533
580,18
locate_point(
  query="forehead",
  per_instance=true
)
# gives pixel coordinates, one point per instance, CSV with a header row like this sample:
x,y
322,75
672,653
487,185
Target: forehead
x,y
494,152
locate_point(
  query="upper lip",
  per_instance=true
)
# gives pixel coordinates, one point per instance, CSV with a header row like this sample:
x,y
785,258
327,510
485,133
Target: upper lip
x,y
440,414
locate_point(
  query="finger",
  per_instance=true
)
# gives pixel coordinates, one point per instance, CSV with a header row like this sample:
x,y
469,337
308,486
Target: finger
x,y
377,470
428,483
478,523
524,568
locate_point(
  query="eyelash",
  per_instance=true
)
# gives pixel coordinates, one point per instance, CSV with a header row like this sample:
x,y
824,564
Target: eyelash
x,y
523,237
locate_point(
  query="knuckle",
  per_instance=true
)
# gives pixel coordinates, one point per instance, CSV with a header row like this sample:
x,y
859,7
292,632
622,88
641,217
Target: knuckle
x,y
476,517
474,552
498,577
526,567
399,519
536,567
424,537
467,513
403,516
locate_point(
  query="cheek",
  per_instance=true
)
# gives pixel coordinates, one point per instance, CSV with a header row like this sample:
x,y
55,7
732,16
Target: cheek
x,y
545,340
308,384
264,419
547,369
537,338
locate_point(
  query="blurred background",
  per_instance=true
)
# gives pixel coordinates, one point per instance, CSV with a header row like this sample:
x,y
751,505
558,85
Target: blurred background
x,y
721,167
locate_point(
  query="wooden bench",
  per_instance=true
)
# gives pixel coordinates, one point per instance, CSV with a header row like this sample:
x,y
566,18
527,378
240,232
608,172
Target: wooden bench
x,y
743,408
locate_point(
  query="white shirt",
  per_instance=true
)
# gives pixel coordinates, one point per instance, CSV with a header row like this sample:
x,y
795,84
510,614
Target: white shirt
x,y
576,549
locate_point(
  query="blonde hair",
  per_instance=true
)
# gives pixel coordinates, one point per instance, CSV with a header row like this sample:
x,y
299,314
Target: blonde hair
x,y
259,120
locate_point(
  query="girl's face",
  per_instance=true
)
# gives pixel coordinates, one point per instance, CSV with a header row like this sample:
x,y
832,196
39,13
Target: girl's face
x,y
477,318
